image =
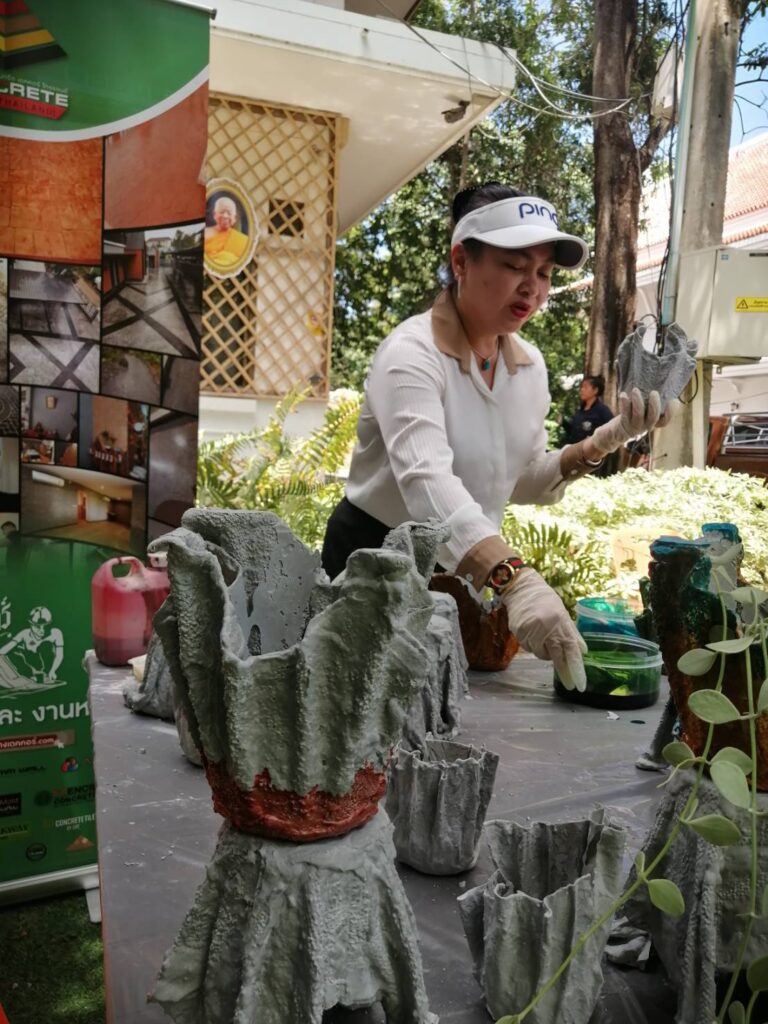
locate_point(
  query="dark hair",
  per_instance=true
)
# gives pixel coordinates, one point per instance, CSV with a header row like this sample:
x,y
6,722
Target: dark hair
x,y
472,198
598,382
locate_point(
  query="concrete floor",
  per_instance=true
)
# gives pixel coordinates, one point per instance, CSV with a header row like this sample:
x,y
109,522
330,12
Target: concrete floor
x,y
157,831
147,315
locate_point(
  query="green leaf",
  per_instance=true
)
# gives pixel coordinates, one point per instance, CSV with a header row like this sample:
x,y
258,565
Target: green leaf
x,y
764,902
677,752
696,663
666,896
712,706
716,829
757,974
734,756
737,1013
508,1020
749,595
640,863
731,782
741,643
762,698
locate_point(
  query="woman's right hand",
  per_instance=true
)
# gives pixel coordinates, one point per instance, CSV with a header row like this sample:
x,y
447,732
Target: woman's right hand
x,y
539,620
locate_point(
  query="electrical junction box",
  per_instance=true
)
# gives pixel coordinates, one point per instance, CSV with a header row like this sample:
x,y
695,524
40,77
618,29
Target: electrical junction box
x,y
722,302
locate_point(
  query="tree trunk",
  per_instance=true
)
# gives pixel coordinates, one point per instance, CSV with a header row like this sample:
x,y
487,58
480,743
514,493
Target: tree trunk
x,y
617,191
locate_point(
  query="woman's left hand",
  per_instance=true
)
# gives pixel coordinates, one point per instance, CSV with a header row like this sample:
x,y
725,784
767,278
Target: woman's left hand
x,y
637,415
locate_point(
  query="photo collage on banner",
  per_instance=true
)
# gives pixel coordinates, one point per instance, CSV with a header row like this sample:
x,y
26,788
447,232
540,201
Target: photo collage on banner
x,y
102,214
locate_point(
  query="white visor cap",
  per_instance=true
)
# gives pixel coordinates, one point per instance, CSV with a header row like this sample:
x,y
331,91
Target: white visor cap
x,y
519,222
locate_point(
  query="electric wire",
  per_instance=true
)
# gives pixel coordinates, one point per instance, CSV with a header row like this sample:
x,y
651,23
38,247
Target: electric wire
x,y
551,108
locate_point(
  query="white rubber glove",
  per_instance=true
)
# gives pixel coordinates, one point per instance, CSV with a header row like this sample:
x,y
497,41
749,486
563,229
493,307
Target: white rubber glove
x,y
538,619
636,416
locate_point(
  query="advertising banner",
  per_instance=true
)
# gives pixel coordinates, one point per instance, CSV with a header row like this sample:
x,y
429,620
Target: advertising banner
x,y
103,131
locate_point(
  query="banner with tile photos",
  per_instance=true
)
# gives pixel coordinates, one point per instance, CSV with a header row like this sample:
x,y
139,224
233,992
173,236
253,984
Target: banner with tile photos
x,y
103,132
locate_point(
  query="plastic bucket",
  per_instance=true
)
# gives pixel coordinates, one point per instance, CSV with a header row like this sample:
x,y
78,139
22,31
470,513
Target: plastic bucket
x,y
622,672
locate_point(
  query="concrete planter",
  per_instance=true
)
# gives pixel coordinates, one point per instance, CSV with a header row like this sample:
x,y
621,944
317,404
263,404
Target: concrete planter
x,y
437,798
294,690
280,932
488,643
552,882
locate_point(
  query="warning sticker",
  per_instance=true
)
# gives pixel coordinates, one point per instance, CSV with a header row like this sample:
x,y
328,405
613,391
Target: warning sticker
x,y
752,303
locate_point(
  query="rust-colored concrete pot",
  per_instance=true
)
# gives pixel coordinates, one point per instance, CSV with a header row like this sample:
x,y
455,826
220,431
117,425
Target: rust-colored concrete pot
x,y
488,643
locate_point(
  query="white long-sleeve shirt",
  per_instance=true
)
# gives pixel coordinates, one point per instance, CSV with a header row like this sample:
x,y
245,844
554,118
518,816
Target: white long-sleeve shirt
x,y
435,441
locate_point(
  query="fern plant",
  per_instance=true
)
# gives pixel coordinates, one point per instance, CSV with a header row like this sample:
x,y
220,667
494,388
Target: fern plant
x,y
294,477
573,570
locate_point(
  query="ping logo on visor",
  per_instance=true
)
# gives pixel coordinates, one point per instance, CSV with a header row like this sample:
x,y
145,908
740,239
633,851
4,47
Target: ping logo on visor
x,y
534,209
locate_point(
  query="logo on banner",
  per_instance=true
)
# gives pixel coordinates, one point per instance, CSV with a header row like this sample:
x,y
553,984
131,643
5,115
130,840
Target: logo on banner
x,y
29,657
24,40
23,37
35,98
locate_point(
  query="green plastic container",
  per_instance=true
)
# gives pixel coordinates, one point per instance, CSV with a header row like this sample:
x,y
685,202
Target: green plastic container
x,y
622,672
605,615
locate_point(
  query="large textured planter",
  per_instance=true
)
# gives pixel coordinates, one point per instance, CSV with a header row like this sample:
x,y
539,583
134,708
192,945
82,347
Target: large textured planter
x,y
488,643
437,798
687,614
552,882
715,884
280,932
294,690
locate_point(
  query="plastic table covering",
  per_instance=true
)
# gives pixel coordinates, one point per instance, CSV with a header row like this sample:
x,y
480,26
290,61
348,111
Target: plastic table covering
x,y
157,831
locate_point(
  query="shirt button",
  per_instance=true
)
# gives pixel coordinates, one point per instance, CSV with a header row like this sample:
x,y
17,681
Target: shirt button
x,y
469,577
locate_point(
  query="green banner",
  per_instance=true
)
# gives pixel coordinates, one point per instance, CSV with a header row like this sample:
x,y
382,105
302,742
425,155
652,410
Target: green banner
x,y
47,814
103,129
93,67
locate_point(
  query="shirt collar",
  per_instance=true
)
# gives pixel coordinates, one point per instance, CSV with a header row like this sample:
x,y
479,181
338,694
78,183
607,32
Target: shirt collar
x,y
450,338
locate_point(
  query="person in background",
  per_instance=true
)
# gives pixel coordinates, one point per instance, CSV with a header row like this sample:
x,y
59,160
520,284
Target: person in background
x,y
452,423
592,412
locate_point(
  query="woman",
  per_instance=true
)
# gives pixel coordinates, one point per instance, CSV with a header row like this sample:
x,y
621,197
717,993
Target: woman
x,y
452,425
592,412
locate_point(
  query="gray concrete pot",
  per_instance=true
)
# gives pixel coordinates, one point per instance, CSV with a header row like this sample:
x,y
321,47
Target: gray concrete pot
x,y
437,798
552,882
280,932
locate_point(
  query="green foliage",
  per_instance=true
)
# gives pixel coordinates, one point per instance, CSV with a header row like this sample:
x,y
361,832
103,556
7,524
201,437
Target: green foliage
x,y
676,501
666,896
389,267
713,707
570,568
294,477
716,829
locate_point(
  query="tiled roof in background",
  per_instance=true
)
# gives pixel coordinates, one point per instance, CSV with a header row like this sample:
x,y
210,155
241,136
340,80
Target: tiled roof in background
x,y
747,192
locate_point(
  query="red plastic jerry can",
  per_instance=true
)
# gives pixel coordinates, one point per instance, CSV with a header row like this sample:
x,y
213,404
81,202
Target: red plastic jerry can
x,y
123,606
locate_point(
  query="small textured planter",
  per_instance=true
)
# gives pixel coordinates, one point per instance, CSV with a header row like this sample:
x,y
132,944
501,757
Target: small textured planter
x,y
280,932
154,694
667,373
437,798
552,882
687,615
294,690
488,643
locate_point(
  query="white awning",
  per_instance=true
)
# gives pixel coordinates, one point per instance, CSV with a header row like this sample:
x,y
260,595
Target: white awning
x,y
390,85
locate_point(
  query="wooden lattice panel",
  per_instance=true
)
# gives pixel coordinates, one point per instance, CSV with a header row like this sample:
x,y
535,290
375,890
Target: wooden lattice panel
x,y
269,329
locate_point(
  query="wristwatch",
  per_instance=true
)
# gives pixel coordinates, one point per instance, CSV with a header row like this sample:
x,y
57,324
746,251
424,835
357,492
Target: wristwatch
x,y
504,573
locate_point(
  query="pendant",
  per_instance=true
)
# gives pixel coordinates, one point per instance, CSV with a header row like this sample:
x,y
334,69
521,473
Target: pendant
x,y
486,364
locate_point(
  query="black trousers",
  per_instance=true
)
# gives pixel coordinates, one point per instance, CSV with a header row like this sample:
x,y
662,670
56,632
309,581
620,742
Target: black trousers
x,y
349,528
